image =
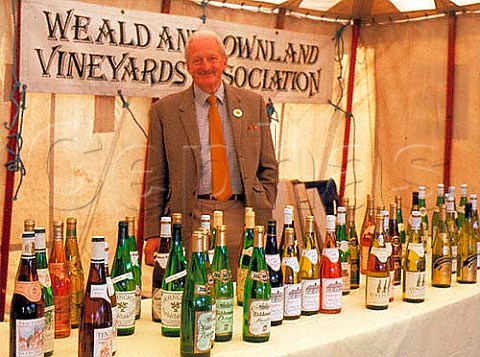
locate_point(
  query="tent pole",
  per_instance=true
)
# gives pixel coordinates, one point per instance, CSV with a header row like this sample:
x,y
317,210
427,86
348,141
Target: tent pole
x,y
447,156
10,174
348,119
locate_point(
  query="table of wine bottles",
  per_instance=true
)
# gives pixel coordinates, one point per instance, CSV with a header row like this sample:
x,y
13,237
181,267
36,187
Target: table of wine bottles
x,y
446,324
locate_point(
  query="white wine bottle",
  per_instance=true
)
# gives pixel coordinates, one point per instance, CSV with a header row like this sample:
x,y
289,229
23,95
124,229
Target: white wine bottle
x,y
414,263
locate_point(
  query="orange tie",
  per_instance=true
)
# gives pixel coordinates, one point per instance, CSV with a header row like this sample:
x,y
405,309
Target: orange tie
x,y
221,188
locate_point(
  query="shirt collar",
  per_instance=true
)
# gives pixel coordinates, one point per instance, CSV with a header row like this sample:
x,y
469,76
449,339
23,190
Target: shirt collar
x,y
201,96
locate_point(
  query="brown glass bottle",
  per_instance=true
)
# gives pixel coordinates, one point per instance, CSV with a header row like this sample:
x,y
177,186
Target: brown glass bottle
x,y
58,268
366,234
161,259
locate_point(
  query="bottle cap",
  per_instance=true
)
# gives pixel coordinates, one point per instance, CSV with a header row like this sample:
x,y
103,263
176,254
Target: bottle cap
x,y
258,236
177,218
250,219
29,225
221,240
197,242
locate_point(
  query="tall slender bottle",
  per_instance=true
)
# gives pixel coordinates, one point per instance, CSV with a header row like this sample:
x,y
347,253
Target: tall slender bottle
x,y
124,283
354,247
414,263
442,252
161,258
207,231
388,240
211,283
467,250
245,255
451,193
424,216
272,257
217,221
291,278
394,235
310,270
461,205
475,224
366,234
75,271
47,291
223,285
287,223
113,299
331,272
452,230
436,211
96,323
137,271
378,274
196,311
61,285
27,310
343,248
401,226
174,282
257,294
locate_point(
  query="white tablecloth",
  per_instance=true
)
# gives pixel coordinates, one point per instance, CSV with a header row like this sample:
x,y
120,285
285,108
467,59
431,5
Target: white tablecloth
x,y
446,324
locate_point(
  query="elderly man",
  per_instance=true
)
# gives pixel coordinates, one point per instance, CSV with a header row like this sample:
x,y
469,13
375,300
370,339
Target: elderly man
x,y
210,148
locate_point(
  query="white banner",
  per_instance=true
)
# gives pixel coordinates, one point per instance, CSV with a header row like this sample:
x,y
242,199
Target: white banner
x,y
75,47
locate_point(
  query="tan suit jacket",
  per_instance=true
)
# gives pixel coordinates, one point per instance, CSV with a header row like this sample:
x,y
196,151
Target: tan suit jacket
x,y
173,163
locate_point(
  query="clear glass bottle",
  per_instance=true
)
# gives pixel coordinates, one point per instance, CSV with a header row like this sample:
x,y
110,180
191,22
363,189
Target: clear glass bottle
x,y
96,322
343,248
196,312
423,214
442,252
124,283
216,222
161,258
137,270
288,223
310,269
366,234
207,231
461,206
414,263
452,230
257,294
291,278
388,240
354,247
467,250
436,211
75,271
272,257
223,285
331,272
27,310
246,254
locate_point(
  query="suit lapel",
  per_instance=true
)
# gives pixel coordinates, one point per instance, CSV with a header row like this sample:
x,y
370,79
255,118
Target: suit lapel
x,y
234,104
189,121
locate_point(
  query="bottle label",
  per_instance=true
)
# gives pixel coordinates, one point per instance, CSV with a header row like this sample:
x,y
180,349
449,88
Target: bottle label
x,y
29,341
468,268
114,327
442,269
214,320
423,211
277,304
259,317
224,316
162,259
291,262
119,278
171,307
273,261
331,293
293,299
175,276
241,276
138,301
377,291
99,291
454,258
62,310
310,294
126,309
134,257
332,254
49,328
211,253
418,248
102,342
380,253
401,227
30,289
76,306
203,331
415,285
248,251
343,246
110,288
202,289
261,276
44,277
311,254
346,276
223,276
157,304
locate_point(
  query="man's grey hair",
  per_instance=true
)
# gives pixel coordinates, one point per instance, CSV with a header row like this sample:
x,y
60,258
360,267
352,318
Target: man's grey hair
x,y
203,33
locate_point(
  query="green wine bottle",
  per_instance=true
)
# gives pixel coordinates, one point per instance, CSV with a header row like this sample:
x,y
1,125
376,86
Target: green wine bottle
x,y
137,271
124,283
196,311
461,206
423,214
467,250
343,248
246,254
47,291
401,226
223,284
217,221
354,247
436,210
257,294
173,281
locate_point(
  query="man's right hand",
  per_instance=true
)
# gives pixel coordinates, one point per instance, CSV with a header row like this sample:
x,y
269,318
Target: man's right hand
x,y
151,246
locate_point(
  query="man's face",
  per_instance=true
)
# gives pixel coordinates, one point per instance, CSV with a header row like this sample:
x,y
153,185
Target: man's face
x,y
206,64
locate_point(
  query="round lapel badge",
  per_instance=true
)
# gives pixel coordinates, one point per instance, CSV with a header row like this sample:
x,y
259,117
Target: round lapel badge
x,y
237,113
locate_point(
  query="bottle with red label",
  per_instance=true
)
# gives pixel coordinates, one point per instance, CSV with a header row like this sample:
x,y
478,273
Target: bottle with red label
x,y
331,272
366,233
61,284
27,309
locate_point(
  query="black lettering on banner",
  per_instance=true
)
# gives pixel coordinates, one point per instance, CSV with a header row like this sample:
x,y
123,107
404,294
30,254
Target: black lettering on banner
x,y
143,35
81,28
106,31
115,67
58,24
